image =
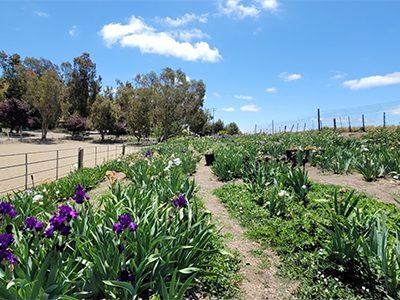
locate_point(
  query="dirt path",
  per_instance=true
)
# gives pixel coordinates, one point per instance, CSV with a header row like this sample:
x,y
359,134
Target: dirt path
x,y
384,190
259,281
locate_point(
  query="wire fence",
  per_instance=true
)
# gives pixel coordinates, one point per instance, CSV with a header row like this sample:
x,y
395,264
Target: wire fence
x,y
349,119
25,170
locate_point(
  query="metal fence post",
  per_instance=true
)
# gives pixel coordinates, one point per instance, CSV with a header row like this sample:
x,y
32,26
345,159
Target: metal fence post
x,y
108,151
384,119
123,150
57,164
334,123
26,171
363,123
80,158
319,119
95,156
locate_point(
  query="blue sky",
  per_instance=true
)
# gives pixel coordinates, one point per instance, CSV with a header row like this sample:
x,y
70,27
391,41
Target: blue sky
x,y
260,59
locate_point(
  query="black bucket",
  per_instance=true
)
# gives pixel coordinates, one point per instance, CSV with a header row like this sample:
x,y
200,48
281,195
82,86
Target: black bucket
x,y
209,159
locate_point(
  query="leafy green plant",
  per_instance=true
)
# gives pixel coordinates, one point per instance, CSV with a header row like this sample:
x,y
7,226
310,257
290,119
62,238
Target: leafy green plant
x,y
297,180
369,167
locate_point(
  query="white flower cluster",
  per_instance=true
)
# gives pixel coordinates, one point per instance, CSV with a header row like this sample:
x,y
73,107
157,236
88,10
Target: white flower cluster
x,y
283,193
173,162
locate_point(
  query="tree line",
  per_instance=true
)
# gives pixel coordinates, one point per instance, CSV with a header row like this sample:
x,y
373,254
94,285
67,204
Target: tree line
x,y
36,93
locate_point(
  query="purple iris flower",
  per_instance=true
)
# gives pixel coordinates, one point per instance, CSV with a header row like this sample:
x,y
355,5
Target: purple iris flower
x,y
6,239
65,230
180,201
124,222
7,208
117,227
67,211
59,221
6,254
80,194
148,154
32,223
126,276
125,219
49,232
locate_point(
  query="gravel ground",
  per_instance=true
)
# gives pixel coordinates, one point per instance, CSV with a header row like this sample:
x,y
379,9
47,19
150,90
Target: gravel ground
x,y
42,159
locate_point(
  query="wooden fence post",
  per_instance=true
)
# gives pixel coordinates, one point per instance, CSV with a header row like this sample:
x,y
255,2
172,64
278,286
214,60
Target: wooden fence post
x,y
123,150
334,124
80,158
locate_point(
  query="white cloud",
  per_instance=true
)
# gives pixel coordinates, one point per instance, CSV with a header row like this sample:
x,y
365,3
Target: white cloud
x,y
253,8
228,109
192,34
72,31
243,97
338,75
216,94
395,110
285,76
237,9
185,19
271,90
250,108
41,14
373,81
138,34
271,5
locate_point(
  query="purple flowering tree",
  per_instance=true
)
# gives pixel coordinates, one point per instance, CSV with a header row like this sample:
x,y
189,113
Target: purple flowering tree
x,y
14,114
76,125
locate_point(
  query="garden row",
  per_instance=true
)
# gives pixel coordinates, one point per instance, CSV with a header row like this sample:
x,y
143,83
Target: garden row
x,y
334,242
374,155
147,238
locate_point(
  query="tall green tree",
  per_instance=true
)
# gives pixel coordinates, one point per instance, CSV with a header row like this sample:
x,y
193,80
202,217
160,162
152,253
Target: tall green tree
x,y
175,100
218,126
103,115
232,128
138,117
46,93
14,78
83,84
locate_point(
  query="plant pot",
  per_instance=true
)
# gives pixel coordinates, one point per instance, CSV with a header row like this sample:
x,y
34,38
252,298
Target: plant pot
x,y
209,159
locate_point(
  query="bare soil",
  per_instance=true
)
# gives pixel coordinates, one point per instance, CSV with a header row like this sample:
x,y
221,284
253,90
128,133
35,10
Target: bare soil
x,y
260,279
384,190
42,162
